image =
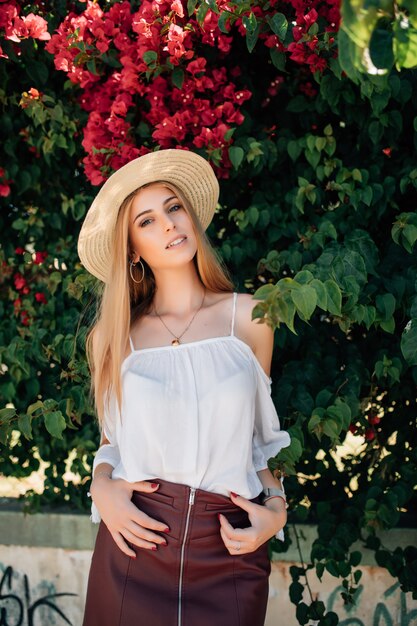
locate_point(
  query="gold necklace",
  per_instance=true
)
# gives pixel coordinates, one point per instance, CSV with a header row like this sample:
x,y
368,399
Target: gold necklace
x,y
176,340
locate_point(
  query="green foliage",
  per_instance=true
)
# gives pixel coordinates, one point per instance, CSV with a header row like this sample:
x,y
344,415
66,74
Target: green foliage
x,y
378,35
317,220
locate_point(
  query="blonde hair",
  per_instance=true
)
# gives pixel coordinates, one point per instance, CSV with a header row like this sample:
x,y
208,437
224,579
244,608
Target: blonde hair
x,y
122,301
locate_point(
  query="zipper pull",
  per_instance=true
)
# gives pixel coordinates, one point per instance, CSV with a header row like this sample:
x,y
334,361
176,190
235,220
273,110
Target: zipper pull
x,y
192,495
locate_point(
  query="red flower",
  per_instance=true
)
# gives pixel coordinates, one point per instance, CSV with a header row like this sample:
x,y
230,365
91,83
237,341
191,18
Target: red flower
x,y
19,281
369,434
40,297
19,250
40,257
24,318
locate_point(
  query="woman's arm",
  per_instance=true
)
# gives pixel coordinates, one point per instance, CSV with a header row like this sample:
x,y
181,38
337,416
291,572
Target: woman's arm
x,y
112,500
266,520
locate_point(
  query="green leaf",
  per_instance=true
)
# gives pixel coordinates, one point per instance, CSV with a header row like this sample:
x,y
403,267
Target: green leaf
x,y
34,407
386,305
253,28
296,592
294,149
202,12
223,21
236,155
409,342
191,4
405,44
303,277
332,568
7,414
334,297
279,25
150,57
25,425
55,423
355,558
305,300
278,58
380,48
331,428
177,77
321,293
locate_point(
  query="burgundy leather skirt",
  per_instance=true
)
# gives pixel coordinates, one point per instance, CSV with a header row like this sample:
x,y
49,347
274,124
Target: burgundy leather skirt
x,y
193,581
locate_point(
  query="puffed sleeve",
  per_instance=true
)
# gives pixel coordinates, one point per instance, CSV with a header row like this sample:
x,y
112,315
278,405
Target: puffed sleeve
x,y
268,438
107,453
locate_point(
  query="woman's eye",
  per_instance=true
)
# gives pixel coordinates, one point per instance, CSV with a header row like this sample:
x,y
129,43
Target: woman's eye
x,y
174,207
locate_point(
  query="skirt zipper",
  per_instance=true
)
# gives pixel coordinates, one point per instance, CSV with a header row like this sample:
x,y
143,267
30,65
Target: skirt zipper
x,y
190,503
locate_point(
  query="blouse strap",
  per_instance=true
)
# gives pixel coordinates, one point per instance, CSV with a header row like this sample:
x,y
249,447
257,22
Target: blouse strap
x,y
131,344
234,311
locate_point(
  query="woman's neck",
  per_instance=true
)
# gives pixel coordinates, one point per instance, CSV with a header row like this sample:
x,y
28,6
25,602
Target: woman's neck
x,y
179,291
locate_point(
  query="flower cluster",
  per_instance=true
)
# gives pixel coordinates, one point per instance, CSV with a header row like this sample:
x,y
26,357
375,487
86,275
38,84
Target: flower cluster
x,y
145,80
15,27
23,287
195,107
306,47
369,432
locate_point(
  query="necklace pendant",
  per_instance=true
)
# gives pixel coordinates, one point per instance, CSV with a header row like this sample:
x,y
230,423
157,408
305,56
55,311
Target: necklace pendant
x,y
175,342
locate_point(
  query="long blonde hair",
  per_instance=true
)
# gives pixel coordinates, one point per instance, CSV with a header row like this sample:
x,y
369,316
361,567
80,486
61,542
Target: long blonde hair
x,y
121,302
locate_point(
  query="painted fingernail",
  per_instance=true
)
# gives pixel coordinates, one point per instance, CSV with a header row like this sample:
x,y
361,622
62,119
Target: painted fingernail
x,y
234,494
133,556
219,516
166,530
154,548
164,543
154,485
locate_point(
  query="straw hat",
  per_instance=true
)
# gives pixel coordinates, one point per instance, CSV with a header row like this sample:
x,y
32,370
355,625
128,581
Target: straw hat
x,y
191,173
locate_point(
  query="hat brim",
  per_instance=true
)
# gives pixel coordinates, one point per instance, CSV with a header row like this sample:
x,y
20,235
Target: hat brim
x,y
190,172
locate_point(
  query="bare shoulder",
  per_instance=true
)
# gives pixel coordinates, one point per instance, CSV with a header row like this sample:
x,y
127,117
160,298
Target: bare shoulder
x,y
257,334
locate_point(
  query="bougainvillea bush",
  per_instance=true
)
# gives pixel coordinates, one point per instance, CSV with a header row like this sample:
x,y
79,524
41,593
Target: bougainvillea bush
x,y
317,218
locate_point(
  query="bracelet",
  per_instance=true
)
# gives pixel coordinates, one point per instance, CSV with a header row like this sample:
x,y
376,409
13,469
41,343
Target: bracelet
x,y
282,498
272,492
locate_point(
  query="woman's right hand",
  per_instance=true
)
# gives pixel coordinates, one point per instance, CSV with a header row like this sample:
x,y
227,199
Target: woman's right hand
x,y
123,519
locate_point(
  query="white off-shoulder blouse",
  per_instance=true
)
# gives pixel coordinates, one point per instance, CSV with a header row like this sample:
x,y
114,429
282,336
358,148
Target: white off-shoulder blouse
x,y
199,414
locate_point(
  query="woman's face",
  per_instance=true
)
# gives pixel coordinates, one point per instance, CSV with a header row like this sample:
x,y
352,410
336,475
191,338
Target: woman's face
x,y
157,218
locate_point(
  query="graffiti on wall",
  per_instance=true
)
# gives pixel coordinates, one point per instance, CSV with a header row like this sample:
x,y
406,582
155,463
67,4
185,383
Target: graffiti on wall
x,y
400,615
17,607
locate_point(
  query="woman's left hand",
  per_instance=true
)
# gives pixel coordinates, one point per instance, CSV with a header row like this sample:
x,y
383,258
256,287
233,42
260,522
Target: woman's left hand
x,y
265,523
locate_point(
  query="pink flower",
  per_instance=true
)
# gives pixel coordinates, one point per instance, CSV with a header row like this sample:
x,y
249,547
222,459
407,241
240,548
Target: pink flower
x,y
37,26
175,46
142,27
177,7
34,93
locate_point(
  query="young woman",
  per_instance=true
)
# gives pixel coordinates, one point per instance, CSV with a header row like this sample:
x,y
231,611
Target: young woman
x,y
181,383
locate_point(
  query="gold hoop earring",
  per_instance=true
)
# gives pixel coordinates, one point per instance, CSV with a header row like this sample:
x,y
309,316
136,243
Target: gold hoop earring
x,y
131,264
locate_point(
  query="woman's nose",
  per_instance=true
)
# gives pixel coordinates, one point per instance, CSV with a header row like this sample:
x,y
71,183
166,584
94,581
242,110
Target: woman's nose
x,y
169,222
